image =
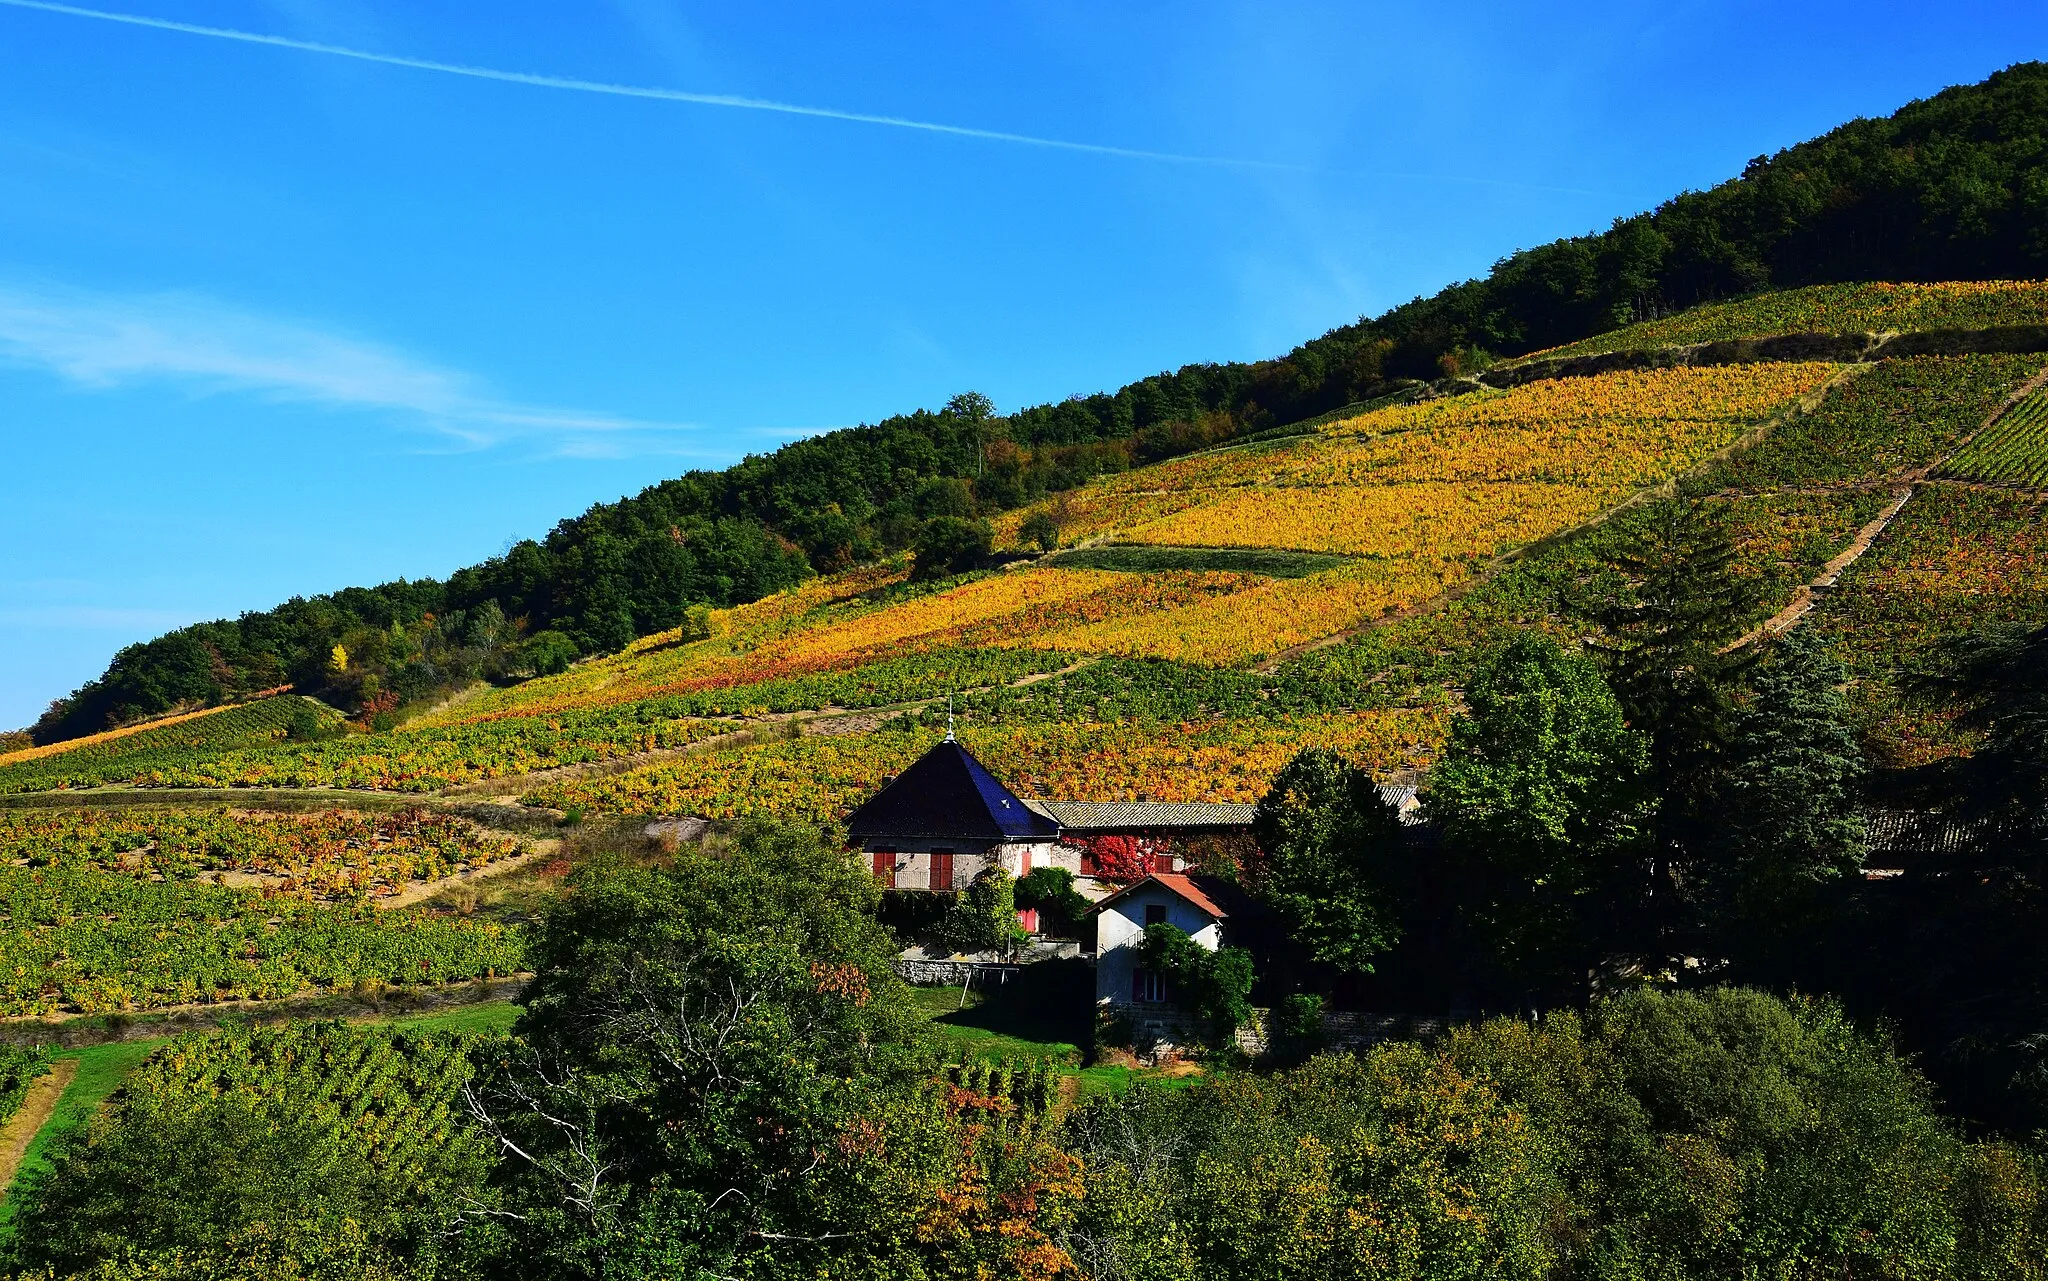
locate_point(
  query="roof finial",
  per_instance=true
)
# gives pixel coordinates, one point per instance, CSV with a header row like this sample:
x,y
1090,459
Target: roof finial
x,y
949,718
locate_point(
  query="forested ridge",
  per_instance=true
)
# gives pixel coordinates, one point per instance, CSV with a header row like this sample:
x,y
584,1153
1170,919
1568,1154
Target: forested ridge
x,y
1952,187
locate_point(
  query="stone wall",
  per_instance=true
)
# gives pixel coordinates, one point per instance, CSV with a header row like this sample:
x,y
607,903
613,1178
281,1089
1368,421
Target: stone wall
x,y
954,973
1161,1032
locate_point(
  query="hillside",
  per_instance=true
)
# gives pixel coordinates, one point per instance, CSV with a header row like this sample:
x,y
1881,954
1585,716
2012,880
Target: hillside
x,y
1206,616
1939,190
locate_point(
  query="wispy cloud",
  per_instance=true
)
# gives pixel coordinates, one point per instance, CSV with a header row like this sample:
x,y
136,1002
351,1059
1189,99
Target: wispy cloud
x,y
630,91
93,618
101,341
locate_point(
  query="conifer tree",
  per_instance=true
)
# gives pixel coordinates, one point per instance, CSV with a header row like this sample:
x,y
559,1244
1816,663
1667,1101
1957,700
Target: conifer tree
x,y
1666,633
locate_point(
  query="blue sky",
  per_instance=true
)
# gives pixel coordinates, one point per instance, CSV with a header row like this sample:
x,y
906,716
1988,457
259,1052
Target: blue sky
x,y
277,321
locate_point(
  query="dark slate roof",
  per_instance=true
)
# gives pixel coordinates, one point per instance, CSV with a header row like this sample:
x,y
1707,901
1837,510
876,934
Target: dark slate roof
x,y
1099,816
947,794
1894,834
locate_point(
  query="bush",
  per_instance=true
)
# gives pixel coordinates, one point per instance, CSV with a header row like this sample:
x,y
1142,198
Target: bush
x,y
1214,985
984,917
307,725
951,545
1117,858
1051,891
1039,530
547,653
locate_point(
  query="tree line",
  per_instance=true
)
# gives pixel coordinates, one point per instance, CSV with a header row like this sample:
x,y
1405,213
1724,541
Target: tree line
x,y
1945,188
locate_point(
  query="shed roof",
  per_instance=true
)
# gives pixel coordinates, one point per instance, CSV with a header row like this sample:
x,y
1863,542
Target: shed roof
x,y
1098,816
946,793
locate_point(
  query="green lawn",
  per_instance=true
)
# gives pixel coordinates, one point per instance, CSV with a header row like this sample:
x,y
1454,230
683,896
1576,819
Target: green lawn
x,y
1048,1021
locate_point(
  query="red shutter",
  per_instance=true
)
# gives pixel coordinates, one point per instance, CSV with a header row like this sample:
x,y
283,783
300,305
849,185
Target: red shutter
x,y
885,867
1028,918
1024,861
942,869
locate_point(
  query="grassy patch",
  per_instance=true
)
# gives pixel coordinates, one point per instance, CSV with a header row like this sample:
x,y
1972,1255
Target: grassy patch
x,y
1216,560
101,1069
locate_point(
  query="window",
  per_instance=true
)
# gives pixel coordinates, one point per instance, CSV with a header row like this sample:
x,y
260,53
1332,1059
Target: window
x,y
942,869
885,868
1147,986
1155,913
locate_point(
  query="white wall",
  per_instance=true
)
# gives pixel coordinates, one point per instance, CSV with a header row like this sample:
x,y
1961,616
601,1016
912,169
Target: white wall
x,y
1120,928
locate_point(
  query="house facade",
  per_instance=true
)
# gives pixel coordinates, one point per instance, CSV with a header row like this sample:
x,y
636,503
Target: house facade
x,y
1202,907
941,822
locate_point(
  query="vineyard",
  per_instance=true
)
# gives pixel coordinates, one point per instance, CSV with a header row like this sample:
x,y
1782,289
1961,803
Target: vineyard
x,y
1460,477
1888,419
1852,308
121,756
337,853
408,759
382,1106
2013,452
1954,559
1378,555
19,1068
135,908
76,938
819,779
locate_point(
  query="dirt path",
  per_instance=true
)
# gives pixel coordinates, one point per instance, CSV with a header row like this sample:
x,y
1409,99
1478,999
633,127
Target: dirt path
x,y
421,891
1808,596
1493,568
36,1110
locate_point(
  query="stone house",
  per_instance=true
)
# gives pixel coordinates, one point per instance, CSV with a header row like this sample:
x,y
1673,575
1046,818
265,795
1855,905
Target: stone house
x,y
939,823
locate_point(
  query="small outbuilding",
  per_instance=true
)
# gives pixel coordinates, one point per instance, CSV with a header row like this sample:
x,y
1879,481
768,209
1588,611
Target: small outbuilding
x,y
1208,909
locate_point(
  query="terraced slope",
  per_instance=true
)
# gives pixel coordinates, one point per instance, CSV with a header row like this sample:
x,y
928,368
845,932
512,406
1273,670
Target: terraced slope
x,y
1208,616
165,745
1873,307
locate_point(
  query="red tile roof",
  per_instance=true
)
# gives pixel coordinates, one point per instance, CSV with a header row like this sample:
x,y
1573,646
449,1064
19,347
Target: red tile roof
x,y
1178,883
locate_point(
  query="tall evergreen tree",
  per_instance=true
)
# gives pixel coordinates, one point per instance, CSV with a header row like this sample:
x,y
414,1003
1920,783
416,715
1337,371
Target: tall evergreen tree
x,y
1667,624
1790,794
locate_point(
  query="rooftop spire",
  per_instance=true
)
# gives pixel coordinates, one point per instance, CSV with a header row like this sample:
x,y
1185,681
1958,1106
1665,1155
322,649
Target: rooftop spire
x,y
949,718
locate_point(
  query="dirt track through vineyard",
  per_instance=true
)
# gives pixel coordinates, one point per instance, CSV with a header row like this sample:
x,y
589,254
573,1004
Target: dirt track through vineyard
x,y
1807,597
36,1110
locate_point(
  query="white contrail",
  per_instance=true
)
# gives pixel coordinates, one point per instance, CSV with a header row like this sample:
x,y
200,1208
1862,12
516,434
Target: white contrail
x,y
629,91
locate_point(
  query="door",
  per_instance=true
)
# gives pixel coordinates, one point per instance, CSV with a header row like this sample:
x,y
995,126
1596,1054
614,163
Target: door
x,y
942,869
